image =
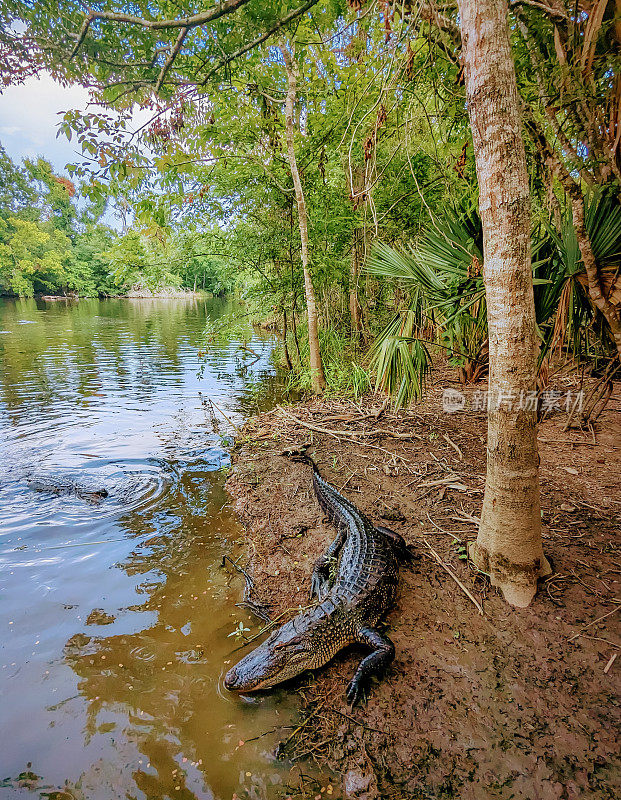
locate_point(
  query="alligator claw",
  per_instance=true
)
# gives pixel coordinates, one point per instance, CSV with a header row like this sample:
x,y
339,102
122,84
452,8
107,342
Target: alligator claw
x,y
314,587
318,586
354,692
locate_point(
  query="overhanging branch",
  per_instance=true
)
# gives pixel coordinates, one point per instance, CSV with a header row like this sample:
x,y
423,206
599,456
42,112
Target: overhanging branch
x,y
171,57
297,12
202,18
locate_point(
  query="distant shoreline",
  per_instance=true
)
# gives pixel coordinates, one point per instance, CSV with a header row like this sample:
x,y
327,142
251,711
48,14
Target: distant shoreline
x,y
135,294
168,291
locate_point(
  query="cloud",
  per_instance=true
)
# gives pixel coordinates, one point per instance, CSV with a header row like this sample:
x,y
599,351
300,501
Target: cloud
x,y
30,114
29,117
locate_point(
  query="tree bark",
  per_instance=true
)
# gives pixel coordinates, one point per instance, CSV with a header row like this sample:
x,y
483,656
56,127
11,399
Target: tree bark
x,y
508,546
316,367
573,189
354,305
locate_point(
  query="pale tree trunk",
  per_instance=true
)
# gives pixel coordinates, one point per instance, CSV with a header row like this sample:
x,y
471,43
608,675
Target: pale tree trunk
x,y
316,366
508,546
358,197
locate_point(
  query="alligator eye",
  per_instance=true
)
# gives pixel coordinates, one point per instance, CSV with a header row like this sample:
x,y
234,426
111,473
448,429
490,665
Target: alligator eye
x,y
291,643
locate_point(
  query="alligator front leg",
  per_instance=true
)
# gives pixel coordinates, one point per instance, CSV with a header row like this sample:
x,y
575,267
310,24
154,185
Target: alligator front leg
x,y
398,543
320,580
383,653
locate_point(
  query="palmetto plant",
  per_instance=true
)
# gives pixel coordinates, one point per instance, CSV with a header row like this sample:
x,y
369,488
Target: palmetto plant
x,y
442,272
443,275
576,326
400,359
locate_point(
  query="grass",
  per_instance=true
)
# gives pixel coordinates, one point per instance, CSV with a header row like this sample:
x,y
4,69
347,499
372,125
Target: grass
x,y
345,375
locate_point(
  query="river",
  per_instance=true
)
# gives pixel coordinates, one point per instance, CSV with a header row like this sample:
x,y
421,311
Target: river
x,y
116,615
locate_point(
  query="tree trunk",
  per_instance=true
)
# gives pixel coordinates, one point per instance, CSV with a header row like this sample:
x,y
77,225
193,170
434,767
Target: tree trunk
x,y
316,366
610,312
294,326
354,305
284,339
508,546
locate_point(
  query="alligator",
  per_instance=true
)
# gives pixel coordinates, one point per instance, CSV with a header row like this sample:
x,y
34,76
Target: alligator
x,y
67,487
354,582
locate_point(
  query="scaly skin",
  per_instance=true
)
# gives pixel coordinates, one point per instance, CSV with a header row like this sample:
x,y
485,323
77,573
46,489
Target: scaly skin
x,y
63,487
362,590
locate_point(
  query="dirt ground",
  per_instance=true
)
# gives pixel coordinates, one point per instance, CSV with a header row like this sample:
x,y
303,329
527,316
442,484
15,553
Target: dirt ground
x,y
504,704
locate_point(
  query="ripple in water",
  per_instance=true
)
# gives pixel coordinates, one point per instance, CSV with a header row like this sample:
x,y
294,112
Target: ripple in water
x,y
117,614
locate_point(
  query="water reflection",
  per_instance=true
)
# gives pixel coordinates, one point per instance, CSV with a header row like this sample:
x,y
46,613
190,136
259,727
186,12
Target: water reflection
x,y
116,616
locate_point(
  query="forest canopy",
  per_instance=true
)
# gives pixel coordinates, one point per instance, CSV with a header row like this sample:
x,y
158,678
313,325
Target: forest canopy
x,y
54,240
379,132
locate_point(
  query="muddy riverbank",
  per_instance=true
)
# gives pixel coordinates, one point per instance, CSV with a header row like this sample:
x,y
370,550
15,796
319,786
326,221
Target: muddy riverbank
x,y
499,704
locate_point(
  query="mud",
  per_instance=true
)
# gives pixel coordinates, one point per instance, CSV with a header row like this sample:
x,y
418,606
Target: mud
x,y
507,704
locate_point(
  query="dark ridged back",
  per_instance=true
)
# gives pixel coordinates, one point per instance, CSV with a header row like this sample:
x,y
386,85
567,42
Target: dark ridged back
x,y
368,569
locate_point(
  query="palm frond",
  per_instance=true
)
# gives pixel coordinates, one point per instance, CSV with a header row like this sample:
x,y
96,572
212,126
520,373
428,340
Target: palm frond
x,y
401,364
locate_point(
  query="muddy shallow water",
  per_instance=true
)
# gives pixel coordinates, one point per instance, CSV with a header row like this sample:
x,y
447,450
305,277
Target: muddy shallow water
x,y
116,615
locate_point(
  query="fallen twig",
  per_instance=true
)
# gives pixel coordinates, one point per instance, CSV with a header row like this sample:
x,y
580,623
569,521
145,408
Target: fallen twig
x,y
76,544
305,723
564,441
346,482
250,350
260,610
394,434
228,419
464,589
448,533
469,519
342,434
611,661
265,733
319,428
595,621
454,446
357,722
601,639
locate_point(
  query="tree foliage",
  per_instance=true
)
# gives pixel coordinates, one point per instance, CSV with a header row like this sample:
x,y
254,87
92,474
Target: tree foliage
x,y
384,151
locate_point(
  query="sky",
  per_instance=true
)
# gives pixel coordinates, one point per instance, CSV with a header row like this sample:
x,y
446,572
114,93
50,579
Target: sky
x,y
29,116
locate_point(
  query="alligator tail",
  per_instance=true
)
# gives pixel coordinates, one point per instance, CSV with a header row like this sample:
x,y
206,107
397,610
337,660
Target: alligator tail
x,y
333,504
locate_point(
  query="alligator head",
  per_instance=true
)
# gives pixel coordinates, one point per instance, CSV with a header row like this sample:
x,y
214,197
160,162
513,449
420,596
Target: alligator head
x,y
288,652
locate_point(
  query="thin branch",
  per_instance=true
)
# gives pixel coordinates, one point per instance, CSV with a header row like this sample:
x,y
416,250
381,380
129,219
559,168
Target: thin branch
x,y
594,622
297,12
554,13
429,13
444,566
171,57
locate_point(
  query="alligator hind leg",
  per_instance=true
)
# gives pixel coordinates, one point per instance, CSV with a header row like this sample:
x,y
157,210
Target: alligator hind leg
x,y
320,580
398,543
383,653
